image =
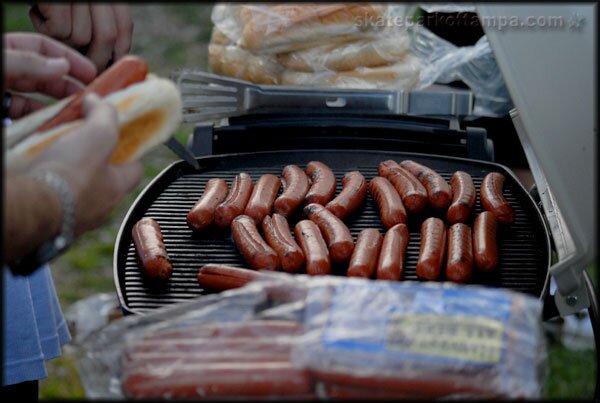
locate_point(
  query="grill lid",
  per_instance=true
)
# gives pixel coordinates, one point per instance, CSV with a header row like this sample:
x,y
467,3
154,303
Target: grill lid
x,y
553,92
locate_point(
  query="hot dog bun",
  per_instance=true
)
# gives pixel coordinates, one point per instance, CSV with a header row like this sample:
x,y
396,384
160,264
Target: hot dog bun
x,y
233,61
286,27
368,52
148,113
21,128
403,74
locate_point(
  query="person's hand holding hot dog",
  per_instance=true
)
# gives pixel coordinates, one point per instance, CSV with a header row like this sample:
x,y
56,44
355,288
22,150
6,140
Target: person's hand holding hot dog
x,y
82,157
33,210
102,32
36,63
79,157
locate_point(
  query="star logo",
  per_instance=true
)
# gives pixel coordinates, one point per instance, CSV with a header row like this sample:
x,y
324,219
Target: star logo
x,y
575,22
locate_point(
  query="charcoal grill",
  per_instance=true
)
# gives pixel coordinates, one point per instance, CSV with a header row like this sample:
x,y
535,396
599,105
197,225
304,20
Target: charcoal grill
x,y
524,245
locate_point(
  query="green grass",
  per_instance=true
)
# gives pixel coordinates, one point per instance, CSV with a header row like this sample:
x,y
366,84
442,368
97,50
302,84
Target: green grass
x,y
63,368
593,272
176,53
16,17
572,374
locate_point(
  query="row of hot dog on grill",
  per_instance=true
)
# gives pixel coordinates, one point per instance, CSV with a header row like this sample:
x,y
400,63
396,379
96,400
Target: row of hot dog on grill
x,y
323,238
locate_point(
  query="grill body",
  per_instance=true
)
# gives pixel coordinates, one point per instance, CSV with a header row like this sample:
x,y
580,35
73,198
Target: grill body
x,y
524,245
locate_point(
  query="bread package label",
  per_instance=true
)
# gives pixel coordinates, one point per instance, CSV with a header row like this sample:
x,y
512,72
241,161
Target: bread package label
x,y
474,339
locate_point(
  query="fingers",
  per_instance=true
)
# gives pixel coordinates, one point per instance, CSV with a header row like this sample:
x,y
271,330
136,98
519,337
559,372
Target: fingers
x,y
81,30
52,19
80,67
21,106
101,128
90,145
104,35
26,71
28,65
59,87
124,30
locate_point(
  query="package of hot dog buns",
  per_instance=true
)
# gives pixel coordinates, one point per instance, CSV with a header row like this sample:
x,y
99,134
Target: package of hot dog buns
x,y
351,45
297,337
343,45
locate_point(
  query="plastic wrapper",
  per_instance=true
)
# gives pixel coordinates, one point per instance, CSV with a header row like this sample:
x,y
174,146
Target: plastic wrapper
x,y
351,45
296,337
233,61
249,359
102,354
388,47
424,340
279,28
333,45
474,65
404,74
91,314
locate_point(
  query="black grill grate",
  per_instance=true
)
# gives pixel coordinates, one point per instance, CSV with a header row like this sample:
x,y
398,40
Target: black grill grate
x,y
524,245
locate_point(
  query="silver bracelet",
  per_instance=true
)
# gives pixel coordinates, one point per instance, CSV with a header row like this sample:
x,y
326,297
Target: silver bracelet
x,y
64,192
52,248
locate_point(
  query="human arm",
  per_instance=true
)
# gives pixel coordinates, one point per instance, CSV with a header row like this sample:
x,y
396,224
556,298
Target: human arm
x,y
33,212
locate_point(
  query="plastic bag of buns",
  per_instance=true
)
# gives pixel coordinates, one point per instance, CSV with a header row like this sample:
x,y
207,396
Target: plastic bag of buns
x,y
279,28
387,48
334,45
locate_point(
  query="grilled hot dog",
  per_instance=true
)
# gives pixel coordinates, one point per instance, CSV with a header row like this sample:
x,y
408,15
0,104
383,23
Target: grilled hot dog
x,y
278,236
433,247
438,191
390,265
262,198
336,233
463,197
385,168
257,253
352,196
202,214
322,186
313,245
411,191
236,200
365,255
295,186
485,248
219,277
492,199
151,250
389,203
459,264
